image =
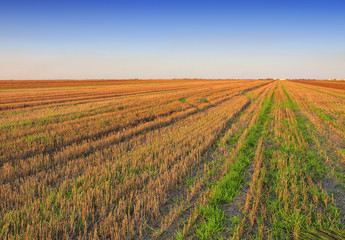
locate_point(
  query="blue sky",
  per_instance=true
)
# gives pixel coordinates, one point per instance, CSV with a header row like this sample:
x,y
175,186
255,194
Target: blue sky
x,y
171,39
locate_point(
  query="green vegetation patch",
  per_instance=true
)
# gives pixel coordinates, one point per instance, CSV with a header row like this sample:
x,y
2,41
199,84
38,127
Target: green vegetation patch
x,y
213,217
295,202
183,100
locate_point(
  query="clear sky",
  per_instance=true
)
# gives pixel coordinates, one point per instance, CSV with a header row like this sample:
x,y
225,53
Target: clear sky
x,y
55,39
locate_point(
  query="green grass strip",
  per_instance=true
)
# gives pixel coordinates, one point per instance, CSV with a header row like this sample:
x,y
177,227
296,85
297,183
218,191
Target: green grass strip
x,y
227,188
306,162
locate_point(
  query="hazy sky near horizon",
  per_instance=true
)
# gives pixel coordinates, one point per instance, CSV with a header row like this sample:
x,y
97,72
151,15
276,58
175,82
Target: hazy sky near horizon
x,y
171,39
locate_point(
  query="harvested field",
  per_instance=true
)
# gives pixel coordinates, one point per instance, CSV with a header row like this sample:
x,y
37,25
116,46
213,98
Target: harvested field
x,y
178,159
11,84
326,84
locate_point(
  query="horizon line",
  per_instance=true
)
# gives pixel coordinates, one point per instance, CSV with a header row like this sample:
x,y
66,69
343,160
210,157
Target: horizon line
x,y
143,79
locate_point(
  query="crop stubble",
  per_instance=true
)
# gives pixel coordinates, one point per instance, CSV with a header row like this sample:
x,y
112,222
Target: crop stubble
x,y
167,159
